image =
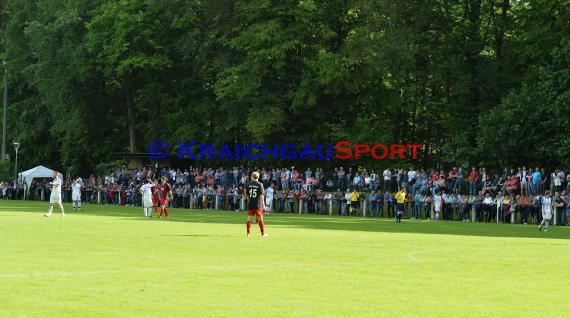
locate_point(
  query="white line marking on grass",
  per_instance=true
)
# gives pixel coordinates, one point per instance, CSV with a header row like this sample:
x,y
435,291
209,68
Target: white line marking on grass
x,y
412,256
85,273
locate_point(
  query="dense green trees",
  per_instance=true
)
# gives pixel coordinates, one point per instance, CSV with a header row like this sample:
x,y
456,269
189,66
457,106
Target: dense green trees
x,y
475,81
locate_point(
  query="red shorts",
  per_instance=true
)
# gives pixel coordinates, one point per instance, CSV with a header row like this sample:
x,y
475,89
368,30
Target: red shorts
x,y
155,201
257,213
163,201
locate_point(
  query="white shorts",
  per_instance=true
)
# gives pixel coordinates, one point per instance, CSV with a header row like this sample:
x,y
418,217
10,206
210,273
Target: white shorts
x,y
76,196
55,197
147,202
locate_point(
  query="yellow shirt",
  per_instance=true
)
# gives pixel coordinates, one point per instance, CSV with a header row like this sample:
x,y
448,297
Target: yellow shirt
x,y
400,197
354,196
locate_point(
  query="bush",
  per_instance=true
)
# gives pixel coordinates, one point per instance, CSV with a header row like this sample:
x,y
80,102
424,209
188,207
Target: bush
x,y
6,172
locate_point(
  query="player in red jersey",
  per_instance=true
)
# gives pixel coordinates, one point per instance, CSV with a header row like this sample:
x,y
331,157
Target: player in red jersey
x,y
165,195
255,196
155,197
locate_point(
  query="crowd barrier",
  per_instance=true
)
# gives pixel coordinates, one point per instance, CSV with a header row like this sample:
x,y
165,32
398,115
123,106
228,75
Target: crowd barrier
x,y
223,202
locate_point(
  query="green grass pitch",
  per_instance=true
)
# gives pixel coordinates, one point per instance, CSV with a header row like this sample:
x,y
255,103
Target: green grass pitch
x,y
108,261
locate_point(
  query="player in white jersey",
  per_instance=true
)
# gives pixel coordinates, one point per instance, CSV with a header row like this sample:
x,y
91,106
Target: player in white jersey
x,y
76,193
269,198
146,191
55,197
437,205
546,210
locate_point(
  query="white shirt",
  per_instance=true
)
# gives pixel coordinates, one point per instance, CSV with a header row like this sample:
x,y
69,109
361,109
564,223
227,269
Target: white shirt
x,y
546,208
437,202
146,189
76,186
76,190
522,176
387,175
56,185
557,180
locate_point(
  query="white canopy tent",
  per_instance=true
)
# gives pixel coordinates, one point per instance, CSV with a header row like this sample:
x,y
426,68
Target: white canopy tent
x,y
37,172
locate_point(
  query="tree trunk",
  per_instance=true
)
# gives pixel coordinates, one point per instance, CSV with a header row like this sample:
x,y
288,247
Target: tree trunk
x,y
130,117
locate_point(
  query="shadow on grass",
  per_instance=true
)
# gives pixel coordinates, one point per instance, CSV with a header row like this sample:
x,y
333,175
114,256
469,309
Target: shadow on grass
x,y
317,222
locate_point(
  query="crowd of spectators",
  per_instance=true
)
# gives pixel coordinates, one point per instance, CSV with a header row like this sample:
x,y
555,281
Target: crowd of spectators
x,y
501,194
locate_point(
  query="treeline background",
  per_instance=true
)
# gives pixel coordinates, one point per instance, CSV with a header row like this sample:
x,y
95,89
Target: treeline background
x,y
478,82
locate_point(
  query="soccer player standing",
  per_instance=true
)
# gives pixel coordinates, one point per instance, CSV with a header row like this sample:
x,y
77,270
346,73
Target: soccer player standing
x,y
146,191
155,197
255,196
546,211
55,196
76,193
165,196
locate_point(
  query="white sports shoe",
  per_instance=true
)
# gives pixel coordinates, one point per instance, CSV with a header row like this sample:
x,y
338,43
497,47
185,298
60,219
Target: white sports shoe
x,y
47,215
265,235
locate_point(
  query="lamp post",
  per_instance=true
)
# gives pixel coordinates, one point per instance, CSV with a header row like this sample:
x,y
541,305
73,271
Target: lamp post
x,y
16,146
5,110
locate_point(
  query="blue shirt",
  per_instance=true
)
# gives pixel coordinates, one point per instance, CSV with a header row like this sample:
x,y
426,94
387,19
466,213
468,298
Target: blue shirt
x,y
536,177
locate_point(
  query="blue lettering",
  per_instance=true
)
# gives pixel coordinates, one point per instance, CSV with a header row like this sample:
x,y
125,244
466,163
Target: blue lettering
x,y
225,151
238,152
306,151
246,154
320,154
206,149
185,149
288,156
265,151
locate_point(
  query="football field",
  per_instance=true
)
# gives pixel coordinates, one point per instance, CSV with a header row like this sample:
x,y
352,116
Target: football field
x,y
108,261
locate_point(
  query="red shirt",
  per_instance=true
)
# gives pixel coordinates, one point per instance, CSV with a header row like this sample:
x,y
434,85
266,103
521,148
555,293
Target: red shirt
x,y
155,193
164,189
434,176
473,176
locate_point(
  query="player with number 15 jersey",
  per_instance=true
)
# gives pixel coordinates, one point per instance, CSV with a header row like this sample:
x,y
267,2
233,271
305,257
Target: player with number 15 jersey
x,y
255,195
